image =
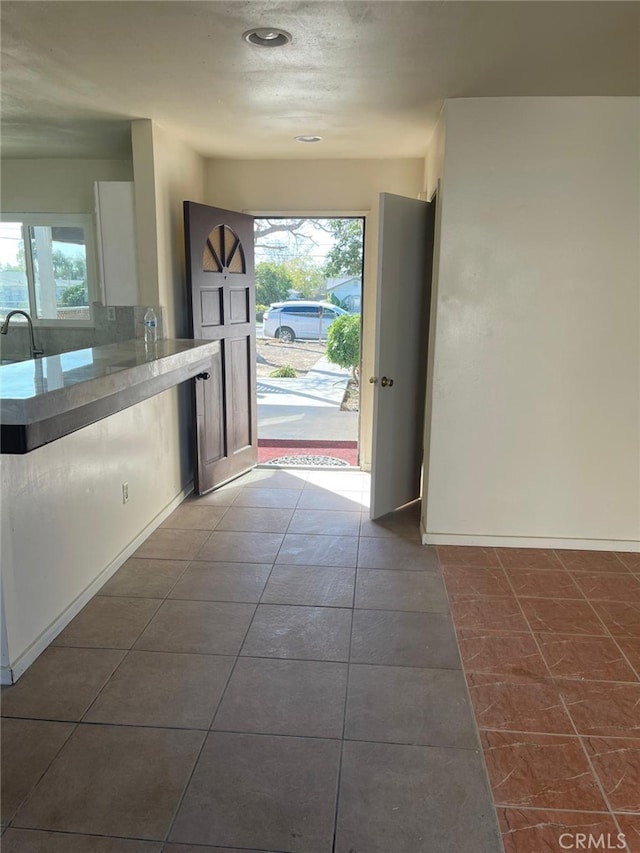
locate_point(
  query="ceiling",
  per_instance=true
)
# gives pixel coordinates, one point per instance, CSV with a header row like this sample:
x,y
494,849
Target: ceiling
x,y
369,77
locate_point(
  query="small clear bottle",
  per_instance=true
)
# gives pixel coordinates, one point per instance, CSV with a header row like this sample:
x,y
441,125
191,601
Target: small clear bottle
x,y
150,327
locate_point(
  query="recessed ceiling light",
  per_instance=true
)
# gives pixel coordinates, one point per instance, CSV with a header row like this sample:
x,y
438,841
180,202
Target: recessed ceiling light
x,y
267,37
308,138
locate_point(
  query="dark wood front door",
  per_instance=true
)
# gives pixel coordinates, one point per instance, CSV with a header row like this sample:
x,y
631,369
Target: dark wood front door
x,y
221,288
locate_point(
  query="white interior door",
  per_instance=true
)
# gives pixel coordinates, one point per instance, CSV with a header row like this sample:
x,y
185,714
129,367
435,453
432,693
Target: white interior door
x,y
405,255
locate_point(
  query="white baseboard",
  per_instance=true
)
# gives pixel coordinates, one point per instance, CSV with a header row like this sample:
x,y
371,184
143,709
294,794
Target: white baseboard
x,y
10,674
530,542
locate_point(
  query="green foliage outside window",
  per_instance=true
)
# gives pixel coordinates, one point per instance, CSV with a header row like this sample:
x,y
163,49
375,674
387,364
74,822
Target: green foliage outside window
x,y
343,342
285,371
273,283
74,295
67,267
345,257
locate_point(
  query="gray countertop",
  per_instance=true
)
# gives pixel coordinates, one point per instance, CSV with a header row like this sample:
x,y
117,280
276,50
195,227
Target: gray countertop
x,y
43,399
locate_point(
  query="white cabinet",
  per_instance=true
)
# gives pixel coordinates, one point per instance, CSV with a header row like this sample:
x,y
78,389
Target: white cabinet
x,y
117,261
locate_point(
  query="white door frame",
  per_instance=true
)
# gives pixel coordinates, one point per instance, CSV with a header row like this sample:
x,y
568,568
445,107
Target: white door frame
x,y
332,213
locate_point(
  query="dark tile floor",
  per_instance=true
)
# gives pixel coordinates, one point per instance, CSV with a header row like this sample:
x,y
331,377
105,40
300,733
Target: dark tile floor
x,y
271,671
550,642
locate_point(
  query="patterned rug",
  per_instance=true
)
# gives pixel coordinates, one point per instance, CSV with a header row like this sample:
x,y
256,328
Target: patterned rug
x,y
309,460
269,450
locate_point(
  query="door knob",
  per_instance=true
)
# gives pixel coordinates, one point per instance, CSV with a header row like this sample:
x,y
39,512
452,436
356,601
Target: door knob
x,y
384,382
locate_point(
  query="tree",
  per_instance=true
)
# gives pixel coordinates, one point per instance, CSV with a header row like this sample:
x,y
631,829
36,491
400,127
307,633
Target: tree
x,y
264,227
307,277
273,283
11,267
74,295
345,257
67,268
343,342
62,266
278,239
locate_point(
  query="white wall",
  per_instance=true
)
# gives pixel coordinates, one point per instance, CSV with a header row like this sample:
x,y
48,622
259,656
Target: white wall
x,y
64,526
535,421
166,173
144,190
433,172
179,176
434,159
317,187
56,186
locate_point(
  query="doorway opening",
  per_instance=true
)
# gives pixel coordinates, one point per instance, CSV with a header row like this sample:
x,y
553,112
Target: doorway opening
x,y
309,275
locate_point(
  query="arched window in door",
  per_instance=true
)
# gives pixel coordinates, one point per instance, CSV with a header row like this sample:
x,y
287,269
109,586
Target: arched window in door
x,y
223,252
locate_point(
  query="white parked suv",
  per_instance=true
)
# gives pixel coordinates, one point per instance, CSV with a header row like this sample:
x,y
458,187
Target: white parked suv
x,y
299,318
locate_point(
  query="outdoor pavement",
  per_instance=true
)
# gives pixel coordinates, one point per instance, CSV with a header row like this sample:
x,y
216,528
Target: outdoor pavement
x,y
307,408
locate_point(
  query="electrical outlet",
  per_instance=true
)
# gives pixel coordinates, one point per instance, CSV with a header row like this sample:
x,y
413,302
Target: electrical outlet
x,y
111,312
125,492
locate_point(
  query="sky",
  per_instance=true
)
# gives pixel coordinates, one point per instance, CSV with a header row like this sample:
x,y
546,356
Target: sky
x,y
315,247
11,238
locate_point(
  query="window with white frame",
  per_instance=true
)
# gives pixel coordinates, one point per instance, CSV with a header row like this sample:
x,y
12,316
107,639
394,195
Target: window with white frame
x,y
47,266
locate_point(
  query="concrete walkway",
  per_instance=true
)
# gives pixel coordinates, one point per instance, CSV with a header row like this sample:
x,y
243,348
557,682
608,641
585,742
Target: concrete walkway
x,y
307,408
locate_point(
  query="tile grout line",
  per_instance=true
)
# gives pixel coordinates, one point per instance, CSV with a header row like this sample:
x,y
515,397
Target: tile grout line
x,y
530,631
594,775
131,649
345,705
208,731
521,807
608,633
600,785
264,657
583,737
34,787
478,730
74,833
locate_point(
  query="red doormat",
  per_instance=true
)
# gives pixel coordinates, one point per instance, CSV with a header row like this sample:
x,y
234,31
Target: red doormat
x,y
273,448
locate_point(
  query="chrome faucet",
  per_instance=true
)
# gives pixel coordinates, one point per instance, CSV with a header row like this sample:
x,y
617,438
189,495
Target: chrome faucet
x,y
35,352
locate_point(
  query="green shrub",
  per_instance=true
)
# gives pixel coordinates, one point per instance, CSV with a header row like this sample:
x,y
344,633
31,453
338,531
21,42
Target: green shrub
x,y
343,342
284,372
260,309
74,294
339,302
